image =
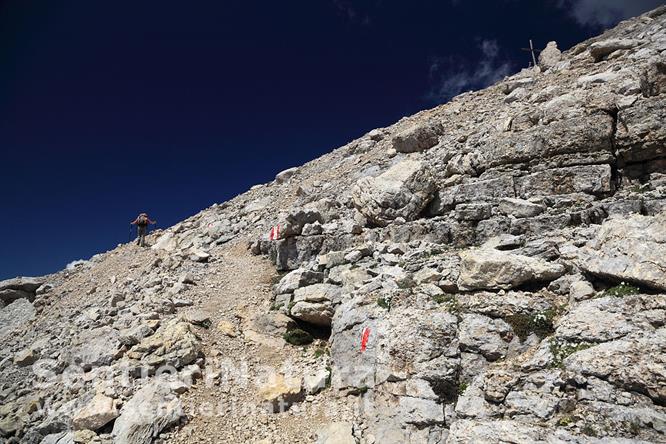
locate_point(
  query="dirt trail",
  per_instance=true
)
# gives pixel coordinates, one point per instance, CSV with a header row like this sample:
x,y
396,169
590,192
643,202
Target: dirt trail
x,y
223,406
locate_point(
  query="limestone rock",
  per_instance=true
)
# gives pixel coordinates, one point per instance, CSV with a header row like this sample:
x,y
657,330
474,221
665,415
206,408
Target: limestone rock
x,y
635,362
19,288
96,414
314,303
174,343
481,334
402,191
416,138
151,410
296,279
336,433
15,315
285,175
631,249
493,269
520,208
549,56
601,49
314,382
280,392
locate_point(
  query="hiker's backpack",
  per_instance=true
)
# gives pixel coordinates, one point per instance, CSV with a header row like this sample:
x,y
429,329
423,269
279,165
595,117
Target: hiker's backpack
x,y
142,220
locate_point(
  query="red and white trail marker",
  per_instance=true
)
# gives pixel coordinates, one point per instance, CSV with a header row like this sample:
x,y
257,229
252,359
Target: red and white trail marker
x,y
364,338
274,234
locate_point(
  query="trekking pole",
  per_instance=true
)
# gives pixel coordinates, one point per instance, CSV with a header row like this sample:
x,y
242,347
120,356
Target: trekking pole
x,y
129,236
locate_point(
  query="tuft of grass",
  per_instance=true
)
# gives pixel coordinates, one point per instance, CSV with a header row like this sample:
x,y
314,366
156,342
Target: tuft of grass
x,y
405,283
565,421
296,336
622,290
540,323
588,430
449,301
461,388
275,306
321,351
385,303
562,350
291,305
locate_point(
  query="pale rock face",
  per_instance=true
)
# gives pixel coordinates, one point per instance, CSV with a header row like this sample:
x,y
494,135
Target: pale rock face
x,y
602,49
630,249
152,409
314,303
336,433
550,56
489,337
493,269
634,362
402,191
416,138
296,279
96,414
174,343
285,175
281,391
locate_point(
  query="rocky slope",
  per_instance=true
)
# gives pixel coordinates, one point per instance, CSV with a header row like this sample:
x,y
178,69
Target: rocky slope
x,y
490,270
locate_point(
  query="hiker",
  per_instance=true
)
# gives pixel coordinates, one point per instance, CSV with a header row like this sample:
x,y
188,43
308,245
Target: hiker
x,y
141,223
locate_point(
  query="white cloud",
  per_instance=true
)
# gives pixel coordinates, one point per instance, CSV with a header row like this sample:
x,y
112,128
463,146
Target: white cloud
x,y
348,11
451,76
605,13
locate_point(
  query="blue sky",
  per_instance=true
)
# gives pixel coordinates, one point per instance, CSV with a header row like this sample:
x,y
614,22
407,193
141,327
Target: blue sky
x,y
112,108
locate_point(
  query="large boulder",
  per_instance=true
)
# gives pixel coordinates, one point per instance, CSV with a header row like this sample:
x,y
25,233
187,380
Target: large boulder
x,y
19,288
314,303
490,269
279,392
550,56
95,348
296,279
402,191
418,137
636,362
95,414
152,409
174,343
603,48
632,249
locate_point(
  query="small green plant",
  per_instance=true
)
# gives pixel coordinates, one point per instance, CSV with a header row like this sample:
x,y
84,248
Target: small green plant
x,y
565,421
462,387
588,430
275,306
621,290
562,350
449,301
634,427
540,323
384,302
320,351
405,283
640,188
291,305
296,336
